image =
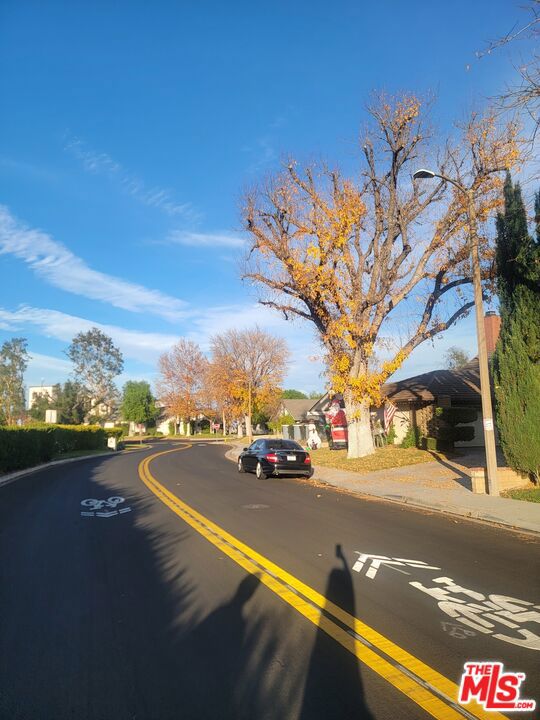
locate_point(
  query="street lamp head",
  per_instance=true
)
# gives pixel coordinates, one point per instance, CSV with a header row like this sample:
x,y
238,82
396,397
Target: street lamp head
x,y
422,173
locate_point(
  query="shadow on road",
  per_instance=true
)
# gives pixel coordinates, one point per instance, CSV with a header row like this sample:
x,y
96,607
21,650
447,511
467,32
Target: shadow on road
x,y
108,619
333,677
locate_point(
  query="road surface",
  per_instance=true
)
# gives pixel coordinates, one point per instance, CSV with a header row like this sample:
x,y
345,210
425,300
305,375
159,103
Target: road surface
x,y
198,592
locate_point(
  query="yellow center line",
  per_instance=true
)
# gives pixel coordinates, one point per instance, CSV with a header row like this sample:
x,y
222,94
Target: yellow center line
x,y
396,671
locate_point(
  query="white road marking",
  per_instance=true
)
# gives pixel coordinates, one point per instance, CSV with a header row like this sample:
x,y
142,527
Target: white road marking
x,y
374,562
483,613
111,502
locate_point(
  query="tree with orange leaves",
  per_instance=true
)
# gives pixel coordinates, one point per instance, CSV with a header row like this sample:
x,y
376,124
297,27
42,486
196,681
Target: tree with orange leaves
x,y
378,263
248,366
221,393
181,382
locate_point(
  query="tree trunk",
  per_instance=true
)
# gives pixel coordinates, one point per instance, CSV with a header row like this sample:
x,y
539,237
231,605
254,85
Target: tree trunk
x,y
249,430
359,427
224,426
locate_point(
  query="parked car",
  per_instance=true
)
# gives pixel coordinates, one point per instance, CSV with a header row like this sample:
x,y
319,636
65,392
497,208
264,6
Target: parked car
x,y
266,457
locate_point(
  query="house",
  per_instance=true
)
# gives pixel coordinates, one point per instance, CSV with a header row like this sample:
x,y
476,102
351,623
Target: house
x,y
298,409
416,398
35,391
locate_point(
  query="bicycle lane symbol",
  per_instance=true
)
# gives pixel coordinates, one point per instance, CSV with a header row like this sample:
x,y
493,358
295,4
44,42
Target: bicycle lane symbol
x,y
470,612
103,508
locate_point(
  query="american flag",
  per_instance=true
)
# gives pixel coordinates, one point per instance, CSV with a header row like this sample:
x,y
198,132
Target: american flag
x,y
389,412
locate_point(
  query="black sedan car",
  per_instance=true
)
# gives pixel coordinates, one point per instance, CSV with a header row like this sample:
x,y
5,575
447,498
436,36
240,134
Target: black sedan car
x,y
267,457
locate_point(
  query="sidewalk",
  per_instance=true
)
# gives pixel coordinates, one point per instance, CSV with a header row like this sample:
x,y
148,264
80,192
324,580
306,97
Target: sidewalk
x,y
430,487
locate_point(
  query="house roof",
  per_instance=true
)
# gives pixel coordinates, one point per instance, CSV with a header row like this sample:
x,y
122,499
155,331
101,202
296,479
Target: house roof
x,y
462,384
298,408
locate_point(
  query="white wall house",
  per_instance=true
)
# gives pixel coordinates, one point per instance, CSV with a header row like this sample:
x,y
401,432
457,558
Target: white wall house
x,y
35,391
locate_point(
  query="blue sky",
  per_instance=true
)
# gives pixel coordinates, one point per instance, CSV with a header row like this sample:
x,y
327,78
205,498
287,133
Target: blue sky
x,y
129,131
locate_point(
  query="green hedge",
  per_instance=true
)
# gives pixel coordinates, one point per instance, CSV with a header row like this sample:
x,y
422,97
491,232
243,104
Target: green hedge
x,y
27,446
457,415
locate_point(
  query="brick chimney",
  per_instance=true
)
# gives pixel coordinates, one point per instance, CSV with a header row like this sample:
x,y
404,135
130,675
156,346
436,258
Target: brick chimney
x,y
492,326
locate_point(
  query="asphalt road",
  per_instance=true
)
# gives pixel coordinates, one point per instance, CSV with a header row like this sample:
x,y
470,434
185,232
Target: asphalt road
x,y
209,594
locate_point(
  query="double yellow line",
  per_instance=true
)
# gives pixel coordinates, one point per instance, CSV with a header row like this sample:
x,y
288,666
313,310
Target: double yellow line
x,y
419,682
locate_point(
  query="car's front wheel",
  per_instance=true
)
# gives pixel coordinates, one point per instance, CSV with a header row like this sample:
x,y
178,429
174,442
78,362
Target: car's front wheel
x,y
259,472
240,466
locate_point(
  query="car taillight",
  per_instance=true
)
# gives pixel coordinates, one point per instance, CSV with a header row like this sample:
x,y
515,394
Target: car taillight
x,y
272,457
307,460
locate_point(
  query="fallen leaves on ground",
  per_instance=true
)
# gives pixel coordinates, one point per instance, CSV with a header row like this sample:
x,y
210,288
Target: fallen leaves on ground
x,y
384,458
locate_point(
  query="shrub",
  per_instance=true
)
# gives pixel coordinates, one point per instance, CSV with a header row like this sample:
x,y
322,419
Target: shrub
x,y
447,436
27,446
391,437
277,423
412,438
457,415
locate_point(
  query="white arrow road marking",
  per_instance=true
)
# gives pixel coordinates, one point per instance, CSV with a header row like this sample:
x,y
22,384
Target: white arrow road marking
x,y
374,562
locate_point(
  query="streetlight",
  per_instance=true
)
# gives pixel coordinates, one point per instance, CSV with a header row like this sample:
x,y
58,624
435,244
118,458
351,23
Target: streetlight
x,y
485,390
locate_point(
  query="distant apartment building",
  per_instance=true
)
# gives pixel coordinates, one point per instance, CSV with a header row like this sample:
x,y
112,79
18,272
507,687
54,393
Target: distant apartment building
x,y
35,391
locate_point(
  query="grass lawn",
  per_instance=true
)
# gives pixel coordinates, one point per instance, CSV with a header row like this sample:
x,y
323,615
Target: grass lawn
x,y
389,456
531,494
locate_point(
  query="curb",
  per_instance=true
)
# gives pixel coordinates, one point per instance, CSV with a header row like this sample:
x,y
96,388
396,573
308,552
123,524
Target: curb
x,y
7,479
464,513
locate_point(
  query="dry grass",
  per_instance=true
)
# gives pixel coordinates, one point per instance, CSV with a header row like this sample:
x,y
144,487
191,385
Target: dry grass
x,y
384,458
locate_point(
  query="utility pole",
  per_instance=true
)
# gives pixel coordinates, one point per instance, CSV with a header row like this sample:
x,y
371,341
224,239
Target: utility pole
x,y
485,389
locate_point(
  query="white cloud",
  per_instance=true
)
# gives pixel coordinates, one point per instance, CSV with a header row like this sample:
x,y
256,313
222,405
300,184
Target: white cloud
x,y
47,363
103,164
145,347
198,239
137,345
56,264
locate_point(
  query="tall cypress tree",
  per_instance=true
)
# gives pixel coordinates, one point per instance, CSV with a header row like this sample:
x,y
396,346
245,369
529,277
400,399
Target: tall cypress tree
x,y
516,363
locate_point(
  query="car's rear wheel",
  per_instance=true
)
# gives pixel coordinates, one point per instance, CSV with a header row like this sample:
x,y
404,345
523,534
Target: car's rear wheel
x,y
259,472
241,468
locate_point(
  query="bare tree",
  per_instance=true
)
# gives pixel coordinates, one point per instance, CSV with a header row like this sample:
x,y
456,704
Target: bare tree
x,y
523,96
250,365
181,382
356,258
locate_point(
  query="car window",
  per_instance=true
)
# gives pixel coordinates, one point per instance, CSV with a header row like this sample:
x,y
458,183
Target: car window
x,y
255,447
283,445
